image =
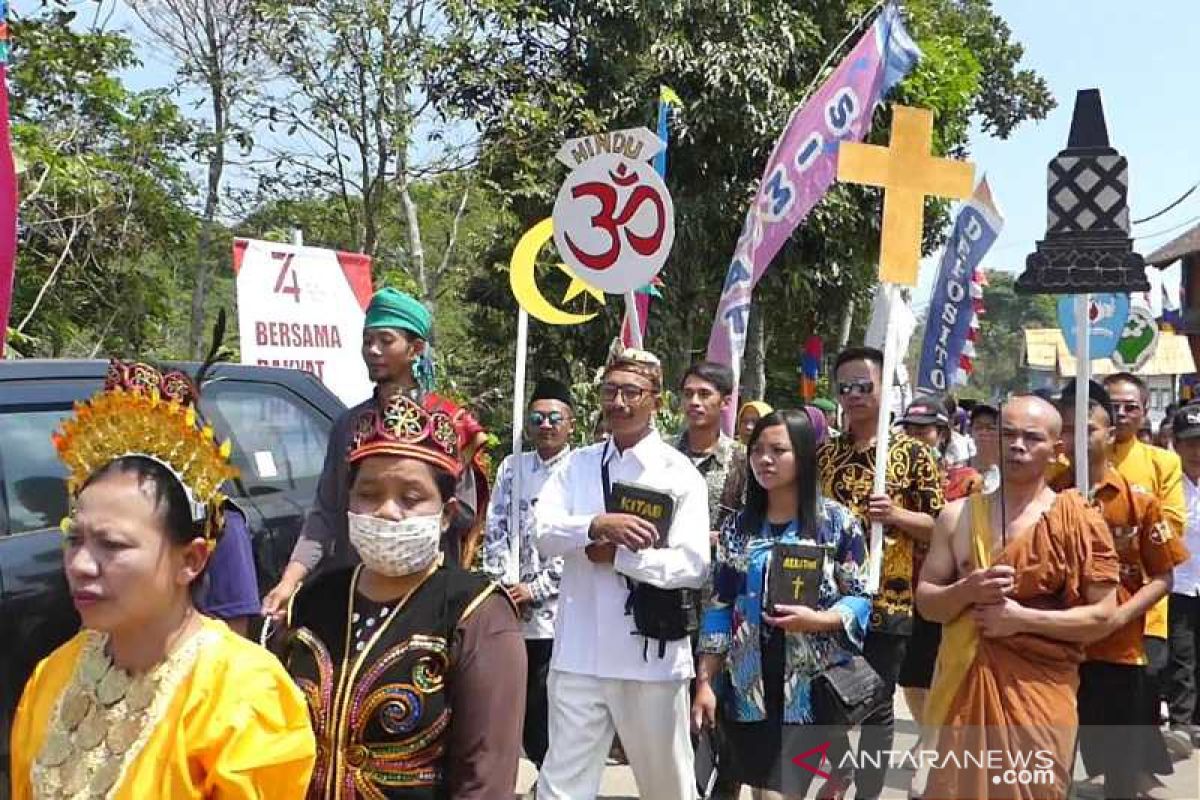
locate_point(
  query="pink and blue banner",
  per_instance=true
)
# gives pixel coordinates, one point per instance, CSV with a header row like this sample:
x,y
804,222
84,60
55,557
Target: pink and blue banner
x,y
956,291
804,165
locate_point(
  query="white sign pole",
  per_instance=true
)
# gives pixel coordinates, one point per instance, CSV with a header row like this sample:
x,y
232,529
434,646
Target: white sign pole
x,y
883,432
512,572
1083,375
298,237
635,322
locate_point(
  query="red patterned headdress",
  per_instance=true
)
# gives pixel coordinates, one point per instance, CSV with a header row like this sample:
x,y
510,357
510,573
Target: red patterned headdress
x,y
407,429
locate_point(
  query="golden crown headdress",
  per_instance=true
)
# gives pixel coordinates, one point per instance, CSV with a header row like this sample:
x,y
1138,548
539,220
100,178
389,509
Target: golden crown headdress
x,y
142,411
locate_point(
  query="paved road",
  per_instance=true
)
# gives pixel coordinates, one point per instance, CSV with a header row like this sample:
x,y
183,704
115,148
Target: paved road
x,y
618,783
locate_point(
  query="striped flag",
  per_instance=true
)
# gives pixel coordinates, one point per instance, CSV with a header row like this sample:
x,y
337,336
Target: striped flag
x,y
8,189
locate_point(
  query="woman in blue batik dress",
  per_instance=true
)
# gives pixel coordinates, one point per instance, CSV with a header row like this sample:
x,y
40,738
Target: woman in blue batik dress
x,y
771,712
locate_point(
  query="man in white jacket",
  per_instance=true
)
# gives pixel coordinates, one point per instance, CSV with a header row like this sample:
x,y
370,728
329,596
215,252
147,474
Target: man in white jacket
x,y
604,676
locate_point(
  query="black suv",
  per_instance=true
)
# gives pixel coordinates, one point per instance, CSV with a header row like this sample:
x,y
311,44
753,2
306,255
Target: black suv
x,y
279,421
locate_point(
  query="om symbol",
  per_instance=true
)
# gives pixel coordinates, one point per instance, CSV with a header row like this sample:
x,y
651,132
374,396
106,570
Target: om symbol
x,y
605,221
614,223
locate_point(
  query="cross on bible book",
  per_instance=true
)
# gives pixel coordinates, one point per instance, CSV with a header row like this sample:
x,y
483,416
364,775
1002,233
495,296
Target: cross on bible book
x,y
652,505
794,575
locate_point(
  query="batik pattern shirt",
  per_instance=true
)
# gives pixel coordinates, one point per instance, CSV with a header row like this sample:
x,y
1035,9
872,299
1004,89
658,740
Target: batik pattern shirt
x,y
914,483
733,624
541,575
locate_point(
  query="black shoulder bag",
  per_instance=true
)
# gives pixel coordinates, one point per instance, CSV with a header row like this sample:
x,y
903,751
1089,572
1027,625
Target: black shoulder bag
x,y
851,691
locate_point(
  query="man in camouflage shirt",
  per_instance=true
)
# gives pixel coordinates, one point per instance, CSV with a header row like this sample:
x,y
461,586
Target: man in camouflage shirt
x,y
706,391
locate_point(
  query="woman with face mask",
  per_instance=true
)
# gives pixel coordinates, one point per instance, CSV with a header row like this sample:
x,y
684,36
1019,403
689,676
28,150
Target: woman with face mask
x,y
151,699
414,669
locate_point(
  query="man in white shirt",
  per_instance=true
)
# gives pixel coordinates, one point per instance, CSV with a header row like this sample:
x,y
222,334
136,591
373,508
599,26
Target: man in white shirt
x,y
604,676
533,585
1183,617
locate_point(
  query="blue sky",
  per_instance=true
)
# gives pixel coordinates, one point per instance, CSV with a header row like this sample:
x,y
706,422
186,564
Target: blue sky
x,y
1144,58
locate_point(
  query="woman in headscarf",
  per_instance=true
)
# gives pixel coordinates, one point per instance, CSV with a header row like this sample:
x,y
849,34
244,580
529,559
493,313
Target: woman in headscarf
x,y
396,350
749,415
152,699
413,668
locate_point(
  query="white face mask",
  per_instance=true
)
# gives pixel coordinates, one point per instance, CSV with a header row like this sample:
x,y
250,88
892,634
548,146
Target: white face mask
x,y
396,548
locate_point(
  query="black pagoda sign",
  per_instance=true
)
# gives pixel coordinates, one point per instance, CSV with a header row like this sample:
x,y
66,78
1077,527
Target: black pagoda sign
x,y
1087,246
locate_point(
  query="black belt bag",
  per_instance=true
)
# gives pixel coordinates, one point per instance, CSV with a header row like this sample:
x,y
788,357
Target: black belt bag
x,y
667,615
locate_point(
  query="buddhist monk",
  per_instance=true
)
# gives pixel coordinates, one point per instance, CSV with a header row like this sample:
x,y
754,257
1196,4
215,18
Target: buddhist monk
x,y
1021,579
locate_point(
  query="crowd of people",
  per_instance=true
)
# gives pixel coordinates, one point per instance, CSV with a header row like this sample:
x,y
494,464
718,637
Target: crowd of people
x,y
698,604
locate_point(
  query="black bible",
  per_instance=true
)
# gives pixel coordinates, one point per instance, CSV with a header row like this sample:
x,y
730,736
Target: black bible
x,y
657,508
795,574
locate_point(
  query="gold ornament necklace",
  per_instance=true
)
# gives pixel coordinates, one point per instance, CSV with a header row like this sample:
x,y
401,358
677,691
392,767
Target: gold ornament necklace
x,y
105,716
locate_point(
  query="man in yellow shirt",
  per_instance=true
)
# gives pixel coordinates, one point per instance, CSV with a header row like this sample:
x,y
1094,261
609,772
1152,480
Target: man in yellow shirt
x,y
1160,473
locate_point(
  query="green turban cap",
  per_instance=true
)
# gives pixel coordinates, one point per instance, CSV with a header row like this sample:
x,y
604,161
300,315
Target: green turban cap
x,y
391,308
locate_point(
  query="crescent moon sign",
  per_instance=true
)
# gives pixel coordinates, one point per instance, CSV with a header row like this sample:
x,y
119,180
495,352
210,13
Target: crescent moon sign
x,y
522,278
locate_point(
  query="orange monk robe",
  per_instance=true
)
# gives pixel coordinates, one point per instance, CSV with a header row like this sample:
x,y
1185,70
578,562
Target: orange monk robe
x,y
1009,703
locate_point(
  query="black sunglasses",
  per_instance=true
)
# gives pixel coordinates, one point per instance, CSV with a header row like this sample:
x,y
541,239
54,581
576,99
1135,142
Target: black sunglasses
x,y
850,387
555,418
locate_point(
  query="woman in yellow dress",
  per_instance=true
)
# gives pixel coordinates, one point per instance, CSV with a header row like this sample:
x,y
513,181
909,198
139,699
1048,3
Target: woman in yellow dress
x,y
151,699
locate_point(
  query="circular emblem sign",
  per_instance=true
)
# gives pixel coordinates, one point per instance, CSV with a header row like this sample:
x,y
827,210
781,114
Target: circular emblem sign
x,y
614,222
1139,339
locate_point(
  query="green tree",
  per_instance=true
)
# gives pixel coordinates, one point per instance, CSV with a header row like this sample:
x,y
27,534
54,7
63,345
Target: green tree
x,y
212,44
551,69
363,126
103,195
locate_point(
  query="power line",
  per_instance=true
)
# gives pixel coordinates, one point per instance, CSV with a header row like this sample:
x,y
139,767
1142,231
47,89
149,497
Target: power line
x,y
1178,200
1172,229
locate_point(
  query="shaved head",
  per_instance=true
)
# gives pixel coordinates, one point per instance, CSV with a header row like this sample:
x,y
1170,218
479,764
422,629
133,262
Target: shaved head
x,y
1031,438
1032,410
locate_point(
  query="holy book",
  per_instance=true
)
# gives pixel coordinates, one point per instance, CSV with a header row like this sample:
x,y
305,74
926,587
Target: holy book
x,y
654,506
794,575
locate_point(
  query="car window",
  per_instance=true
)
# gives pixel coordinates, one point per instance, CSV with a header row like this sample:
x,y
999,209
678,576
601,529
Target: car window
x,y
35,489
279,440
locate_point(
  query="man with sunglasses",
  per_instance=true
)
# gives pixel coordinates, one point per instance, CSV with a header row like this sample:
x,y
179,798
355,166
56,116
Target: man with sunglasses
x,y
549,425
906,510
605,676
1160,473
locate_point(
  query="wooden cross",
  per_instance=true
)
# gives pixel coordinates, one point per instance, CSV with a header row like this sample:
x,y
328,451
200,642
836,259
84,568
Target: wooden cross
x,y
907,173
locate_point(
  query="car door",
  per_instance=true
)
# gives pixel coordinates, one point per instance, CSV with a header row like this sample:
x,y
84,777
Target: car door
x,y
279,439
36,615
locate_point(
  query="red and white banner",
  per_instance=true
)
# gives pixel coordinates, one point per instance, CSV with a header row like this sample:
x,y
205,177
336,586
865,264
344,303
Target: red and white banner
x,y
303,308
